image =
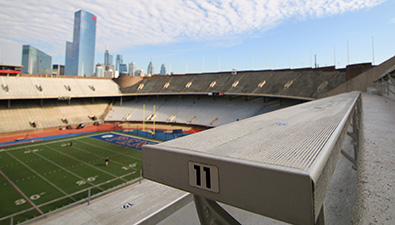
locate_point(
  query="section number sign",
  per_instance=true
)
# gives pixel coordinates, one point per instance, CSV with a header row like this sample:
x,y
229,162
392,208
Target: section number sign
x,y
203,176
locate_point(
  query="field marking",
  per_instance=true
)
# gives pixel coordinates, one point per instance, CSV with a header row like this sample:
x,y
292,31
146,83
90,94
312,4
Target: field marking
x,y
75,138
98,156
110,150
38,174
57,165
129,135
45,143
140,141
85,163
21,193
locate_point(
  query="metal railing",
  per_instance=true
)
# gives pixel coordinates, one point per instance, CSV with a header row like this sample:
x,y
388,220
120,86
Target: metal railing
x,y
385,85
278,165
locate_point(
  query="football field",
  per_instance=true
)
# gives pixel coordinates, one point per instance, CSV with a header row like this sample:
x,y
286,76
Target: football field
x,y
41,177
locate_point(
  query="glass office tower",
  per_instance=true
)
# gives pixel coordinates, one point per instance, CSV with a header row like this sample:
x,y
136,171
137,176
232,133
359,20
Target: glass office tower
x,y
80,53
150,68
69,63
118,61
107,58
132,68
123,68
163,70
35,61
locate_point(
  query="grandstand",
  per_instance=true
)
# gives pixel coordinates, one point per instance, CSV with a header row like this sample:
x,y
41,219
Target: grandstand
x,y
27,115
36,103
31,104
208,100
195,110
59,88
215,99
305,84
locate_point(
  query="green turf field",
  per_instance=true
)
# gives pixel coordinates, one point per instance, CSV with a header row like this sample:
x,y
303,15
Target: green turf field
x,y
33,175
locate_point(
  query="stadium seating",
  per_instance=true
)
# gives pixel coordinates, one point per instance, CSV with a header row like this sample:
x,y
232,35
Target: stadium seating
x,y
41,87
203,110
51,114
298,84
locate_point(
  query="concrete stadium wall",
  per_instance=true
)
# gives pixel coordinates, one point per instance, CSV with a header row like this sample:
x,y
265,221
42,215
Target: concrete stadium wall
x,y
126,81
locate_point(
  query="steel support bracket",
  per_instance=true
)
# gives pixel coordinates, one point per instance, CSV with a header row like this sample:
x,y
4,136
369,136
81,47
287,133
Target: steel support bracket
x,y
210,213
356,125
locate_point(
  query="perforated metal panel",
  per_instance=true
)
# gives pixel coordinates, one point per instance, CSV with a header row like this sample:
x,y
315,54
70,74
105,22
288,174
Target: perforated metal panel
x,y
270,164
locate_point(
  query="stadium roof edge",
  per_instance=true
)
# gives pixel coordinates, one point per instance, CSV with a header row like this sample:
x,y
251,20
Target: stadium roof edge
x,y
58,97
153,94
224,94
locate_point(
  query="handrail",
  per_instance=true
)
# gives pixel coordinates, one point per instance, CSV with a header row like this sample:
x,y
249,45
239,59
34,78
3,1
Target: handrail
x,y
277,164
385,85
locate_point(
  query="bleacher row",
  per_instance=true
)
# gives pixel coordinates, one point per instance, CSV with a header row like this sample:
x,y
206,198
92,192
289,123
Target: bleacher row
x,y
194,110
205,111
42,87
27,115
297,84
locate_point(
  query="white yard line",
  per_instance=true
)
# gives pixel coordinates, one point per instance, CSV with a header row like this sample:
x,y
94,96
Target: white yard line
x,y
110,150
112,161
38,174
84,163
68,171
39,144
75,138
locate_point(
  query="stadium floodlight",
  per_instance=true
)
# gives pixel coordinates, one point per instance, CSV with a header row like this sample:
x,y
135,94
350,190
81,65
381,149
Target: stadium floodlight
x,y
277,164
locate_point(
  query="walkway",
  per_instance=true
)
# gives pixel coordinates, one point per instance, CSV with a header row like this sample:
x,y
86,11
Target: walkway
x,y
375,189
145,203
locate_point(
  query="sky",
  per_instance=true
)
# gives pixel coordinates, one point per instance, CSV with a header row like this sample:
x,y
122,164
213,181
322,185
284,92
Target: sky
x,y
195,36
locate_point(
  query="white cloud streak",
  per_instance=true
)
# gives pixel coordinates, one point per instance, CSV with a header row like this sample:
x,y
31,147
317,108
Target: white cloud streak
x,y
127,23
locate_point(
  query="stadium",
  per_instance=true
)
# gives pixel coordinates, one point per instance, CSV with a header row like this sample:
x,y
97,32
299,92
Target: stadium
x,y
56,132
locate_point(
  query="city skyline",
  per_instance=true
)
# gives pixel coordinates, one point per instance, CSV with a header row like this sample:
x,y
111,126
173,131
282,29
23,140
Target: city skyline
x,y
211,36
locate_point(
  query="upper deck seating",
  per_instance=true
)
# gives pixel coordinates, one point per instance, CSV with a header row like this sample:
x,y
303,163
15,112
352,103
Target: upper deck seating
x,y
296,84
41,87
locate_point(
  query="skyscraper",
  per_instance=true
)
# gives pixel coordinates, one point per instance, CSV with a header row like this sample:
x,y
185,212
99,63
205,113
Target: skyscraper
x,y
107,58
123,68
132,69
69,63
150,69
81,52
118,61
35,61
57,69
100,70
163,70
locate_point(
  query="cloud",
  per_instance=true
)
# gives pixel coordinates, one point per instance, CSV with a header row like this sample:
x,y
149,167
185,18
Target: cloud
x,y
124,24
10,52
392,21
